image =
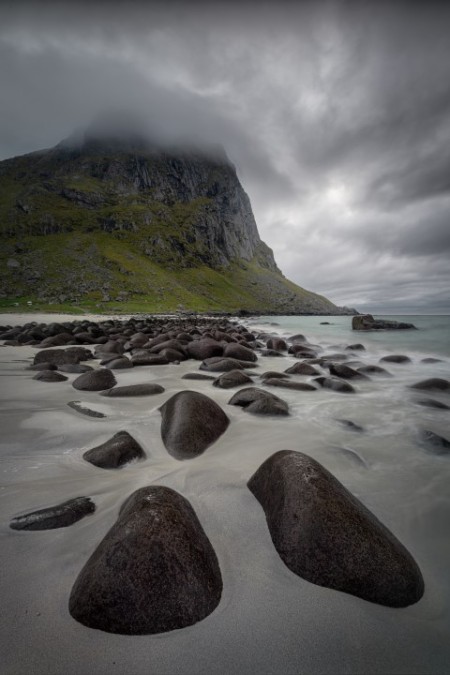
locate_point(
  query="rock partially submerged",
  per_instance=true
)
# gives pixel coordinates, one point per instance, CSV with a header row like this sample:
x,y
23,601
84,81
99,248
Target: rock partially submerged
x,y
95,380
259,402
233,378
115,452
335,384
143,389
432,384
49,376
191,422
435,444
326,536
84,410
52,517
155,570
367,322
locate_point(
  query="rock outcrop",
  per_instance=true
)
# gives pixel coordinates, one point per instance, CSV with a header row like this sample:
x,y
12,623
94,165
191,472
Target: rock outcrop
x,y
367,322
155,570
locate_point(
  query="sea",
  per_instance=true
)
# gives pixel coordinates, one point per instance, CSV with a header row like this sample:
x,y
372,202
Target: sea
x,y
269,620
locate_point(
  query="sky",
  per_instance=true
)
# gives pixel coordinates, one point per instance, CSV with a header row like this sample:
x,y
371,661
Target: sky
x,y
335,114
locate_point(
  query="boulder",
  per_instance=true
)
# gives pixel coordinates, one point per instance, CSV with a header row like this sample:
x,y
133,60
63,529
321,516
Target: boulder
x,y
356,347
326,536
44,365
288,384
335,384
52,517
49,376
259,402
204,349
367,322
341,370
57,356
432,384
276,343
120,364
197,376
144,389
155,570
234,378
431,403
396,358
302,369
273,373
220,364
191,422
114,453
95,380
237,351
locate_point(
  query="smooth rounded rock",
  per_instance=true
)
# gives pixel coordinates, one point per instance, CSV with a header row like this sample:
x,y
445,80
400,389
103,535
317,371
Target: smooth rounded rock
x,y
259,402
328,537
395,358
432,384
432,403
288,384
155,570
237,351
115,452
95,380
191,422
52,517
234,378
302,369
335,385
49,376
341,370
84,410
144,389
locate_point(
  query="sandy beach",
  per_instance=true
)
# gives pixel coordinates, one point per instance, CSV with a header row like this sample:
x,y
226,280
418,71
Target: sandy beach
x,y
269,620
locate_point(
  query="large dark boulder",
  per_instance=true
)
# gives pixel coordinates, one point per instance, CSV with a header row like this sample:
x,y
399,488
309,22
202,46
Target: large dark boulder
x,y
144,389
146,359
259,402
155,570
326,536
191,422
374,370
367,322
115,452
95,380
220,364
53,517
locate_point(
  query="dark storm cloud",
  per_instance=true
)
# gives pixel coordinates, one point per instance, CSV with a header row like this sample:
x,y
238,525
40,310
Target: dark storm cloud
x,y
336,115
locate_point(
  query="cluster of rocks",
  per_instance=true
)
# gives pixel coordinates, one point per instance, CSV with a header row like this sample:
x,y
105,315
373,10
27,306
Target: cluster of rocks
x,y
156,570
367,322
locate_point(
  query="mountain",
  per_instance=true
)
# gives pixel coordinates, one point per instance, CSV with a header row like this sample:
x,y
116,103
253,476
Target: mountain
x,y
103,219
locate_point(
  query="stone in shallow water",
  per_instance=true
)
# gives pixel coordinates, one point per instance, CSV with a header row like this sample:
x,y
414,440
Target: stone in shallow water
x,y
302,369
84,410
155,570
396,358
144,389
431,403
234,378
115,452
197,376
335,384
326,536
95,380
52,517
432,384
288,384
259,402
49,376
190,423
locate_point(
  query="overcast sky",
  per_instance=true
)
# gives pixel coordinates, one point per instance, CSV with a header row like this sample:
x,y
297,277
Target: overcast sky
x,y
336,115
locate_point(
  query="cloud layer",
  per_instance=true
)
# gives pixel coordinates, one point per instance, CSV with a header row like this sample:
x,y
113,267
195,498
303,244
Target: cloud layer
x,y
336,115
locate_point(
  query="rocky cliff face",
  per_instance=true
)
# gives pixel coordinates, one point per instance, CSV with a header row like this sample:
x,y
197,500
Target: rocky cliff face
x,y
96,219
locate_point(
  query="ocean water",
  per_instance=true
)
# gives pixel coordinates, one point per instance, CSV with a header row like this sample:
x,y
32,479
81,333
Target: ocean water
x,y
432,336
269,620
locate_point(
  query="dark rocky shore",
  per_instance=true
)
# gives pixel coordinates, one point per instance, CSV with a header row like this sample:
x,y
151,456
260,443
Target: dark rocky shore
x,y
156,570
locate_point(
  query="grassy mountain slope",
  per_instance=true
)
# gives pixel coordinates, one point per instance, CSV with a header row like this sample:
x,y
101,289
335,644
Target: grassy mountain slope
x,y
109,229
